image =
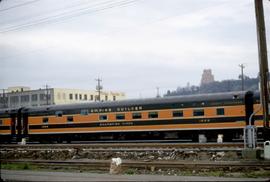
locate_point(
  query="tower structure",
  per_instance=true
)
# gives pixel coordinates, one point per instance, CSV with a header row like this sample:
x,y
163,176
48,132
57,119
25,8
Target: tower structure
x,y
207,77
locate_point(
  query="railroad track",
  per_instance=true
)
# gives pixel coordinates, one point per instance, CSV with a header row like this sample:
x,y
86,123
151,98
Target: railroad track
x,y
129,145
144,151
147,165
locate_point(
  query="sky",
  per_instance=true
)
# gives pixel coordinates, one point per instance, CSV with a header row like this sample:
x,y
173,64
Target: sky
x,y
134,46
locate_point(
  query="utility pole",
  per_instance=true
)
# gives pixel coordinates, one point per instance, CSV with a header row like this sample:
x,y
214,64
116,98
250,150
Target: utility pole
x,y
242,75
263,62
99,88
158,92
47,94
4,98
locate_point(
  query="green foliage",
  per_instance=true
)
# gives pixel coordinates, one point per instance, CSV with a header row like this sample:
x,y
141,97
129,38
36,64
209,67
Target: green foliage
x,y
26,166
130,171
19,166
257,174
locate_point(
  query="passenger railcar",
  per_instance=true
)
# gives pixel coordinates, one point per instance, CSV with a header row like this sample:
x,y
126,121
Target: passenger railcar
x,y
182,118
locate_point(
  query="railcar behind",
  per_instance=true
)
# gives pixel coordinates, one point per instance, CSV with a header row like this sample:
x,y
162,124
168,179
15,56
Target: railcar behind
x,y
182,118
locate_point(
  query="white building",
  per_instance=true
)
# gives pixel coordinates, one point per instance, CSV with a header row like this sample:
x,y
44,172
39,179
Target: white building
x,y
22,96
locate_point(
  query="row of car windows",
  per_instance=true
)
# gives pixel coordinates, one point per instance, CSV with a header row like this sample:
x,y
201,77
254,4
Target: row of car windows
x,y
138,115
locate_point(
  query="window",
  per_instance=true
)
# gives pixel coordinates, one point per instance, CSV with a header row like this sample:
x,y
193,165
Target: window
x,y
70,119
85,97
34,97
136,115
177,113
153,114
70,96
59,113
1,122
42,97
114,97
102,117
14,99
220,111
106,97
91,97
235,97
45,120
80,96
120,116
84,112
25,98
198,112
76,96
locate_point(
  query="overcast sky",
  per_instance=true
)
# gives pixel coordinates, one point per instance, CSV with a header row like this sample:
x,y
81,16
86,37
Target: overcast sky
x,y
133,45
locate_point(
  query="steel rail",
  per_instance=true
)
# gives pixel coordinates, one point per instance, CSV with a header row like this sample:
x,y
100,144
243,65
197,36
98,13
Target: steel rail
x,y
127,145
98,164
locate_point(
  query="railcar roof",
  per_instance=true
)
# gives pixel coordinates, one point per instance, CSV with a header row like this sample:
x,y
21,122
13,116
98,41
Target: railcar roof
x,y
147,101
9,110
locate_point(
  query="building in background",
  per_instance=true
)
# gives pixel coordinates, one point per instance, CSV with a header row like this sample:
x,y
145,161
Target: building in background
x,y
15,97
207,77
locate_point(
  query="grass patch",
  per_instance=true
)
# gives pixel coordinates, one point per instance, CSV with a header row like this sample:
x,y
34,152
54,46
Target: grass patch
x,y
29,166
247,174
130,171
214,173
210,173
18,166
257,174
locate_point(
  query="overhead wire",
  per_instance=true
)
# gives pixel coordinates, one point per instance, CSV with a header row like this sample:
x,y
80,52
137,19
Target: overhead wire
x,y
69,15
48,47
143,25
51,12
66,15
19,5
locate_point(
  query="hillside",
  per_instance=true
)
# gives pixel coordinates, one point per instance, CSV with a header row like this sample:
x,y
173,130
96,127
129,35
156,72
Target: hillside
x,y
216,86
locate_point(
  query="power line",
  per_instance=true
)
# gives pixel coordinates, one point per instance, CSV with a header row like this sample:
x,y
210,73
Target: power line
x,y
19,5
41,49
57,12
27,52
68,15
44,18
72,6
49,47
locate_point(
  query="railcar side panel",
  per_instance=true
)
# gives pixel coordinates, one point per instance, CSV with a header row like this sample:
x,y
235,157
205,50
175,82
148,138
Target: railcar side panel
x,y
233,118
186,116
230,125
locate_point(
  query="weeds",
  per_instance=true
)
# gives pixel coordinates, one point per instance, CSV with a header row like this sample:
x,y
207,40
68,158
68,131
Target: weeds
x,y
20,166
